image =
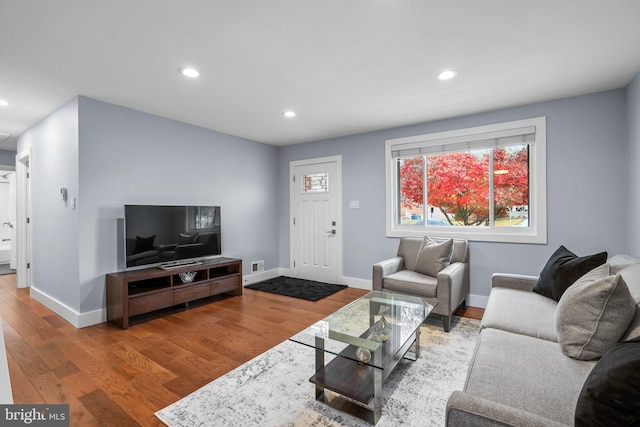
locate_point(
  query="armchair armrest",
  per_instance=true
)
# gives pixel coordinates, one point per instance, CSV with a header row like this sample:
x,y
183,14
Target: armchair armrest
x,y
513,281
451,287
464,409
385,268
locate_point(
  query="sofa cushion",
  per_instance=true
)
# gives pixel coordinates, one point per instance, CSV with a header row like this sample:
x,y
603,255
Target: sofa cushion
x,y
629,268
522,312
411,282
562,269
593,314
433,257
526,373
610,394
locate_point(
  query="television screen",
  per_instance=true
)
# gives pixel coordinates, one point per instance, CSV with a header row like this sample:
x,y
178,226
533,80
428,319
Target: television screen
x,y
170,235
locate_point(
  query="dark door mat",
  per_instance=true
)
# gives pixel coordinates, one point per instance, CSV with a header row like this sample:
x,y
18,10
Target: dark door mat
x,y
297,288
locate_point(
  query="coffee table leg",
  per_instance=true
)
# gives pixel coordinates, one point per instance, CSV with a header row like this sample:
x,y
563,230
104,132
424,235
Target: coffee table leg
x,y
377,395
417,352
319,363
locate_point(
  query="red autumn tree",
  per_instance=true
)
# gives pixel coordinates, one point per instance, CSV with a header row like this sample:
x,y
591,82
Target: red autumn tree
x,y
458,183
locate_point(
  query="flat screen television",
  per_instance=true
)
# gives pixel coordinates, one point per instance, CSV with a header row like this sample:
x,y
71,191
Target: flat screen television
x,y
169,236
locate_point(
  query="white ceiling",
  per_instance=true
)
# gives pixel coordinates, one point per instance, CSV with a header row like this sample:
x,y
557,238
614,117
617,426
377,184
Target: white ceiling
x,y
345,66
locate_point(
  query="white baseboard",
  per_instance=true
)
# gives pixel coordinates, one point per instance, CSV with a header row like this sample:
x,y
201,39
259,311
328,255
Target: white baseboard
x,y
6,396
477,301
249,279
79,320
354,282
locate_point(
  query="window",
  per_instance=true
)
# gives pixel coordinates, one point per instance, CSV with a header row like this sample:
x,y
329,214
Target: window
x,y
486,183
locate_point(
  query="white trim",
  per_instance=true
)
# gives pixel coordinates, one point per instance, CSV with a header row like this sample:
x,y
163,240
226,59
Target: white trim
x,y
354,282
24,241
535,233
79,320
477,301
339,227
252,278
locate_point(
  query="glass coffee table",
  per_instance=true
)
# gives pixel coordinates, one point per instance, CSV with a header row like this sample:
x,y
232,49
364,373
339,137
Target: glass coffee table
x,y
364,341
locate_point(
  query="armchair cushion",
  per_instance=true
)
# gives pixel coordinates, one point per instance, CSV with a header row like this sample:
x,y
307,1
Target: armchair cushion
x,y
433,257
411,282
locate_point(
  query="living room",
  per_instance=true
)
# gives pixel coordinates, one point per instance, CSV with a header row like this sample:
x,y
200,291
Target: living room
x,y
107,155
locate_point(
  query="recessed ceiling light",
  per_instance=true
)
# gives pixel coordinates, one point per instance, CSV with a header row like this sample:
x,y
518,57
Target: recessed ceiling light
x,y
446,75
3,103
289,114
189,72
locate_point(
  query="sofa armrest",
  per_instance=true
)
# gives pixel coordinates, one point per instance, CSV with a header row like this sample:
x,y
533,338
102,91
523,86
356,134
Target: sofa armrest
x,y
385,268
513,281
464,409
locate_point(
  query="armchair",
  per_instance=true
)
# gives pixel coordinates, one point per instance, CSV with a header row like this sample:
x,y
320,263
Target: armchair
x,y
449,286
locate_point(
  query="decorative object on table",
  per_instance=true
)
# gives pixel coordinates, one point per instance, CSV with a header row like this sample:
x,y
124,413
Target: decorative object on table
x,y
187,276
363,355
382,329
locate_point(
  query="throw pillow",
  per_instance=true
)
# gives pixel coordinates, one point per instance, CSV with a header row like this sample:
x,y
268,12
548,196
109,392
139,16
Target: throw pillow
x,y
433,257
563,269
186,239
610,395
144,244
593,314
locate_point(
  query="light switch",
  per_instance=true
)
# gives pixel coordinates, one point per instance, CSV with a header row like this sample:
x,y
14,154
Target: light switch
x,y
354,204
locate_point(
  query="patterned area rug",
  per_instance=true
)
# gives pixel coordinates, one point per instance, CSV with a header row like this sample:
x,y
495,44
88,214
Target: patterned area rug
x,y
273,389
297,288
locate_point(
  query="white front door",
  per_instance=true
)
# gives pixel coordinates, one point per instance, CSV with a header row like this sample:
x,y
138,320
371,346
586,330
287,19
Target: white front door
x,y
316,238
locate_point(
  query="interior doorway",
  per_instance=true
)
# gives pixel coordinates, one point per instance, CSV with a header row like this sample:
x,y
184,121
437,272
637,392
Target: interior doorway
x,y
316,220
23,219
7,220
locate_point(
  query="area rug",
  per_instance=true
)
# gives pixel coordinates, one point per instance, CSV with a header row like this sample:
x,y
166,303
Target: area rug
x,y
297,288
273,389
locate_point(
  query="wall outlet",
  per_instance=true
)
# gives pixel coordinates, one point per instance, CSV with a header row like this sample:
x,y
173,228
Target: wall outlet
x,y
257,266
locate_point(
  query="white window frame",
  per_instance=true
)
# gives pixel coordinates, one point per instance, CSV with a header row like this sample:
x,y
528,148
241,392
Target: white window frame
x,y
535,233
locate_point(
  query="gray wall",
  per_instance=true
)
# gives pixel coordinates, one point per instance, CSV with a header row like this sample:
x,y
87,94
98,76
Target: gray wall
x,y
7,158
54,164
129,157
108,156
586,182
633,172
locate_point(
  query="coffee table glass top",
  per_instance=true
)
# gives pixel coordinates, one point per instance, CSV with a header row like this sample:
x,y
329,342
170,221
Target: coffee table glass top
x,y
351,331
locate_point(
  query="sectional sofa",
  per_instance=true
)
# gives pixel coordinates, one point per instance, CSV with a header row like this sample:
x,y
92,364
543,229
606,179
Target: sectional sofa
x,y
549,360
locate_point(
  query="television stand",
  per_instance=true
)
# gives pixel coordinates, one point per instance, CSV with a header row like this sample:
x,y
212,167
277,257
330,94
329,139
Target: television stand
x,y
131,294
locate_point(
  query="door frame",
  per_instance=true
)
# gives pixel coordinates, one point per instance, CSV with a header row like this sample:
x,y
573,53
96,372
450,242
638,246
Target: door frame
x,y
23,208
337,182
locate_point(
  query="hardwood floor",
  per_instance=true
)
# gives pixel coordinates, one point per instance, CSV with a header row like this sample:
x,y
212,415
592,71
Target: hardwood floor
x,y
111,376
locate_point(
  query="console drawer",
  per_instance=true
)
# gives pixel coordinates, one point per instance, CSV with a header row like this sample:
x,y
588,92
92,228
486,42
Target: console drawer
x,y
226,285
144,304
192,293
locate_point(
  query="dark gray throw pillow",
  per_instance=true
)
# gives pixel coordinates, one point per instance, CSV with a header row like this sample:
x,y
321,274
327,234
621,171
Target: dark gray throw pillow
x,y
563,269
611,394
144,244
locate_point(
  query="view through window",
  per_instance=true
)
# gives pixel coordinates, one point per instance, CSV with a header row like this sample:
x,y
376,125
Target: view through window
x,y
485,183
